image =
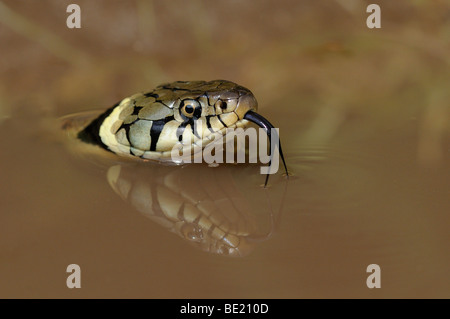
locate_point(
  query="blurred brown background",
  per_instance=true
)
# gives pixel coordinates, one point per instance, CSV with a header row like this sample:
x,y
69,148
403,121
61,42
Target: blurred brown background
x,y
373,102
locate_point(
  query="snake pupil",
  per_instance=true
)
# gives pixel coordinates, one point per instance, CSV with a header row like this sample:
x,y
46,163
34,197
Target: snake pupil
x,y
223,105
189,109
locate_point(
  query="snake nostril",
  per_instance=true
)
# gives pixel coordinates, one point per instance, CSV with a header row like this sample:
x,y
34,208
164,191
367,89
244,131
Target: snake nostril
x,y
223,105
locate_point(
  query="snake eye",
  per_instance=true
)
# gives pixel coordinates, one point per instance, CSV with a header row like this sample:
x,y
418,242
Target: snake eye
x,y
190,108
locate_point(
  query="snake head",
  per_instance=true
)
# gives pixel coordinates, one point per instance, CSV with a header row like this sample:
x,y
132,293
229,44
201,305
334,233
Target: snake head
x,y
152,124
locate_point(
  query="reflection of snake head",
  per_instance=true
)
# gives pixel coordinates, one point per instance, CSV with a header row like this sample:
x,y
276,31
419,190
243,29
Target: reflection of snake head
x,y
211,214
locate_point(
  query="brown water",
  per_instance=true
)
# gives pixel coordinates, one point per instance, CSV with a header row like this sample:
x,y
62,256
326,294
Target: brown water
x,y
364,120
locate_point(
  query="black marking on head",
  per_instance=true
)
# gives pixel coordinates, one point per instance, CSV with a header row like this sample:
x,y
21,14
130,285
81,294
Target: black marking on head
x,y
91,133
209,99
181,129
208,123
175,88
189,121
198,111
151,94
194,131
136,110
162,102
127,132
221,121
156,130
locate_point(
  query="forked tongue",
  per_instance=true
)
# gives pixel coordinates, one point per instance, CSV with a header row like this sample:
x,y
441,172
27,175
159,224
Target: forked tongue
x,y
267,126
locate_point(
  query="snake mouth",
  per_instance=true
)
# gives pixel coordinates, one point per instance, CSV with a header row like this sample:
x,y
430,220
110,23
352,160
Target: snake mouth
x,y
267,126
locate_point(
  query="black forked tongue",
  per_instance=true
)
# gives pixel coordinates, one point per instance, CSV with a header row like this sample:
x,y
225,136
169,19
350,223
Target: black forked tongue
x,y
267,126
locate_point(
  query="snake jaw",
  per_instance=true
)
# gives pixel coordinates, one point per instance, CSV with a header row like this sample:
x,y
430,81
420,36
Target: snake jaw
x,y
267,126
